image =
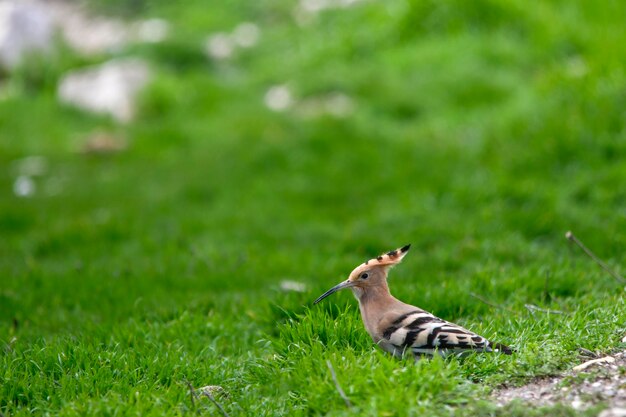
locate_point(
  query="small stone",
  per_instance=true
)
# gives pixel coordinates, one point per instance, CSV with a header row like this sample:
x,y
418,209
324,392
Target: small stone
x,y
613,412
577,404
294,286
313,6
339,105
24,27
278,98
24,186
219,46
91,35
109,88
152,30
246,35
103,143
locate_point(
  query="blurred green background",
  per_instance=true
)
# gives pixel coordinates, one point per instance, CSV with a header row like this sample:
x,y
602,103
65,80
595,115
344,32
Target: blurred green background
x,y
290,141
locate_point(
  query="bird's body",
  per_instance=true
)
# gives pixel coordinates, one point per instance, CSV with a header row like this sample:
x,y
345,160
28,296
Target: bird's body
x,y
401,328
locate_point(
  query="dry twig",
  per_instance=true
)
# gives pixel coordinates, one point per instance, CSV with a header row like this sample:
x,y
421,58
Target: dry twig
x,y
587,352
341,393
193,394
214,401
489,303
532,307
570,236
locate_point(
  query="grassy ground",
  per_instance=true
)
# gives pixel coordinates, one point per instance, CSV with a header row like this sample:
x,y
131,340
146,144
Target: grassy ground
x,y
480,132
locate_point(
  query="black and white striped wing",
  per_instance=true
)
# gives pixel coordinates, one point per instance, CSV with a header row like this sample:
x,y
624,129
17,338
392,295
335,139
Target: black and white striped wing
x,y
422,333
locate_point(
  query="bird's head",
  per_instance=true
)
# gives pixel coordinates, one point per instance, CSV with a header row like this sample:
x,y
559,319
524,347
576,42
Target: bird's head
x,y
370,273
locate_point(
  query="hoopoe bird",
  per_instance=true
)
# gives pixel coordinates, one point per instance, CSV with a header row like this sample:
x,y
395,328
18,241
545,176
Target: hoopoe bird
x,y
401,328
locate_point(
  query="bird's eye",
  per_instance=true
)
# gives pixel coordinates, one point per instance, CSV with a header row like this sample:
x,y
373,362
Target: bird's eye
x,y
364,276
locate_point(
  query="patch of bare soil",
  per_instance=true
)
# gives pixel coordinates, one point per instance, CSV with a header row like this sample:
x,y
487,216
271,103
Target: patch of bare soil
x,y
601,380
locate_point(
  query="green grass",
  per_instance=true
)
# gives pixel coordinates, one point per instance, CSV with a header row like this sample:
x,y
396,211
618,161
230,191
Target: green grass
x,y
481,133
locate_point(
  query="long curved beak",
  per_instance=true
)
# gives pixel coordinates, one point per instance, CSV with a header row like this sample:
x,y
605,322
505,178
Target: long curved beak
x,y
345,284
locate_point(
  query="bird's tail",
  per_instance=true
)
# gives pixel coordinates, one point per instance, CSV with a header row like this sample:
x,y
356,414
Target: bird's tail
x,y
499,347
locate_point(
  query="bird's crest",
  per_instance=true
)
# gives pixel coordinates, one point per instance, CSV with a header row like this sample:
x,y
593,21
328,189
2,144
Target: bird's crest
x,y
387,259
390,258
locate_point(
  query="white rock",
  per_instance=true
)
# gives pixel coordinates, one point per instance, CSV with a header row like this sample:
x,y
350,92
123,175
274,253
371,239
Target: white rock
x,y
339,105
577,404
30,25
613,412
348,3
246,34
152,30
295,286
219,46
110,88
313,6
90,35
24,27
335,104
278,98
24,186
316,6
